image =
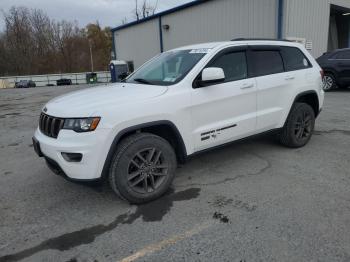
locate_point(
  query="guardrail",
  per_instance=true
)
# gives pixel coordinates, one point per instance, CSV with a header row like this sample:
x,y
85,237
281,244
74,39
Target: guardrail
x,y
50,79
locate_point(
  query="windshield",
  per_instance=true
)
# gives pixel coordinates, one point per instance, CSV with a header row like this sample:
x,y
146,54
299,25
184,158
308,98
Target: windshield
x,y
168,68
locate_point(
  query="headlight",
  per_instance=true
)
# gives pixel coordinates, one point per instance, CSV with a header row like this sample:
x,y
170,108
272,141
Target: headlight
x,y
81,124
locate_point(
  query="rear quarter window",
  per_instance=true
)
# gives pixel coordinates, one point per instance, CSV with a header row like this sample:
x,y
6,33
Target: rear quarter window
x,y
294,59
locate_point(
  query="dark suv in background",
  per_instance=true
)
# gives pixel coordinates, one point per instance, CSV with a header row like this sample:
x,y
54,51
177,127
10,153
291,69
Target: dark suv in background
x,y
64,82
25,84
336,66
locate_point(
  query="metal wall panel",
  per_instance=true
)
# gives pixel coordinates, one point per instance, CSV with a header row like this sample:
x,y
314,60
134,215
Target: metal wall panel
x,y
344,3
226,19
309,19
220,20
210,21
138,43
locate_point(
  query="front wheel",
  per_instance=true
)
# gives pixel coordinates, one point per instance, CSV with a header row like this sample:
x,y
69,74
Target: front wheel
x,y
299,126
143,168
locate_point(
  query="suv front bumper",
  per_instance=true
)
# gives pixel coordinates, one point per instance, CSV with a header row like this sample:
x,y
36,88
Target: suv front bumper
x,y
91,145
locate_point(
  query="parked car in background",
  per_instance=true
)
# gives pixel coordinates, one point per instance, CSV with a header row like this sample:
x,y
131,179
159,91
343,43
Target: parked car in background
x,y
181,103
64,82
25,84
336,67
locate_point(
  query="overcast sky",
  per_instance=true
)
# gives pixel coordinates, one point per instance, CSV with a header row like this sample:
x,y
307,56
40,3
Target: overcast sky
x,y
107,12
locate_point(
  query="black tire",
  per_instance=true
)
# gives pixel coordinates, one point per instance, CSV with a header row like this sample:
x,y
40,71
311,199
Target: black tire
x,y
146,160
299,126
329,82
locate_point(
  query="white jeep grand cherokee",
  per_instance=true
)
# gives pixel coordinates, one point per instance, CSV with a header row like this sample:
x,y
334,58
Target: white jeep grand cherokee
x,y
180,103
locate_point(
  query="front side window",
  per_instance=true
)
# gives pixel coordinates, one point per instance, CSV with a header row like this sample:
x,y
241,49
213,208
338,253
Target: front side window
x,y
168,68
294,59
267,62
234,65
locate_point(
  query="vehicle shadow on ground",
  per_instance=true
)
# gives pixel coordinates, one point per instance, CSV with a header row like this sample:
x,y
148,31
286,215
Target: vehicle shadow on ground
x,y
197,167
339,90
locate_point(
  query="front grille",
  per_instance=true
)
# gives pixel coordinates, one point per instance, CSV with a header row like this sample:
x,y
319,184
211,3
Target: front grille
x,y
50,125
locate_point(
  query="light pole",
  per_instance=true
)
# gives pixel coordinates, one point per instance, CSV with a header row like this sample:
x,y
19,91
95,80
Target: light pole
x,y
91,59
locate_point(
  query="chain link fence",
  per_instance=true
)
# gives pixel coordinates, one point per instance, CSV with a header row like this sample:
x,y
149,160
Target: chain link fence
x,y
49,80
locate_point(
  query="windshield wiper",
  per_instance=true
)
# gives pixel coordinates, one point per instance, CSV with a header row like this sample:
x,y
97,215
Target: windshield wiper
x,y
143,81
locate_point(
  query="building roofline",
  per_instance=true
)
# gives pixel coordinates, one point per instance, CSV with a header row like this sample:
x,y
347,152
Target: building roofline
x,y
169,11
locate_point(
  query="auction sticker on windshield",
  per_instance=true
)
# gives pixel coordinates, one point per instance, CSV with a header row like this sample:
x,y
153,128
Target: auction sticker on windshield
x,y
169,79
200,51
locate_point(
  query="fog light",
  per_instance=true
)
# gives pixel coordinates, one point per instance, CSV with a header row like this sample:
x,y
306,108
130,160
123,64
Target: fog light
x,y
72,157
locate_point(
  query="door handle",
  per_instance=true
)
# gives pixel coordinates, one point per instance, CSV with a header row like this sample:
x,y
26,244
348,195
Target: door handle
x,y
289,77
247,85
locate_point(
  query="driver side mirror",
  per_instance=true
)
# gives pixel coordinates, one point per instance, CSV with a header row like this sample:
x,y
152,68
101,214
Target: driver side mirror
x,y
211,76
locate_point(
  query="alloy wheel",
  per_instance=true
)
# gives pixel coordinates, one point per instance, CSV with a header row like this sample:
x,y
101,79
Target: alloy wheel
x,y
303,126
328,83
147,170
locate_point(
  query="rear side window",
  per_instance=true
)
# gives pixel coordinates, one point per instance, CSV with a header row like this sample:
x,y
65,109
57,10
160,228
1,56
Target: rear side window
x,y
294,59
267,62
234,65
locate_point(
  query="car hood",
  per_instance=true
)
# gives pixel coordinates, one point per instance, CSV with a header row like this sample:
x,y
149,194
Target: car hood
x,y
90,101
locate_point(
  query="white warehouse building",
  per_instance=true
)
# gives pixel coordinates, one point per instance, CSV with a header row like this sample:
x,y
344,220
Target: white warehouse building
x,y
322,25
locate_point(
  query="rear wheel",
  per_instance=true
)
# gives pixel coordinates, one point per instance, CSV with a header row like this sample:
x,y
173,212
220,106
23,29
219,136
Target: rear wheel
x,y
299,126
329,82
142,168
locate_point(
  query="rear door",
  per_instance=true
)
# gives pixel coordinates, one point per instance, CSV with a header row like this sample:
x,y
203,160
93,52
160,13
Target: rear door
x,y
227,111
272,84
342,63
280,72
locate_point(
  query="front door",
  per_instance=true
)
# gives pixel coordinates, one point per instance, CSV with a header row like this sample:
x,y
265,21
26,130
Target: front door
x,y
227,111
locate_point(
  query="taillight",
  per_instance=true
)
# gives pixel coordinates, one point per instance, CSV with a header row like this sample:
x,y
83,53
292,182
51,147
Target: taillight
x,y
322,74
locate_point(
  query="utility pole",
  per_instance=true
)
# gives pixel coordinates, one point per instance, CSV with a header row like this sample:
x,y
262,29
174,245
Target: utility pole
x,y
91,59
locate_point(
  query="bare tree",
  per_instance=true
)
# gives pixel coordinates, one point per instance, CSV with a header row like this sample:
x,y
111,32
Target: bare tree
x,y
4,65
32,43
19,39
146,9
124,21
41,28
63,35
137,10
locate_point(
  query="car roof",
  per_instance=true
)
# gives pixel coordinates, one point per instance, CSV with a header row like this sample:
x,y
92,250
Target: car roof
x,y
334,52
238,42
201,46
340,50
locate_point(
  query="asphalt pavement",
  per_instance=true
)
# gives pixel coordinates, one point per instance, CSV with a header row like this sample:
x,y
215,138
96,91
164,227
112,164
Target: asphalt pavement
x,y
251,201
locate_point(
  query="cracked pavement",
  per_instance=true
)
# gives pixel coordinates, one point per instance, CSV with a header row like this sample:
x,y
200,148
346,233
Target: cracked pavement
x,y
251,201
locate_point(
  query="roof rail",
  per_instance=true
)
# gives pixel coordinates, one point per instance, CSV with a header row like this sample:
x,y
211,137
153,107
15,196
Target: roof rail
x,y
260,39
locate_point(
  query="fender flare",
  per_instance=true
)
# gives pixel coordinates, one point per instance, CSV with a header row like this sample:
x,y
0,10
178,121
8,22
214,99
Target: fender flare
x,y
122,132
301,95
